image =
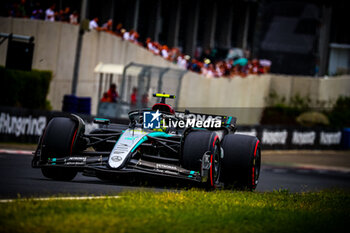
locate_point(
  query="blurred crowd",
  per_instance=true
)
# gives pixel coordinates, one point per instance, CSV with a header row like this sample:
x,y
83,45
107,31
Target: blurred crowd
x,y
236,63
34,10
112,96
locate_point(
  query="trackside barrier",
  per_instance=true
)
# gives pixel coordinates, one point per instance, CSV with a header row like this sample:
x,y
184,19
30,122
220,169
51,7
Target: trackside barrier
x,y
346,138
26,126
294,137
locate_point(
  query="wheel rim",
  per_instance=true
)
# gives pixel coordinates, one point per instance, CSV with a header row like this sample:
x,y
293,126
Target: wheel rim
x,y
216,164
257,164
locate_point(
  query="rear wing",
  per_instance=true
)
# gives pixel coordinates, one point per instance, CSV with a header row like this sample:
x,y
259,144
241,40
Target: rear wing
x,y
163,97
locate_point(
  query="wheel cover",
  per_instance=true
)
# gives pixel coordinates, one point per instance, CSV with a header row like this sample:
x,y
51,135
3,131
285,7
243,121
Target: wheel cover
x,y
215,165
256,166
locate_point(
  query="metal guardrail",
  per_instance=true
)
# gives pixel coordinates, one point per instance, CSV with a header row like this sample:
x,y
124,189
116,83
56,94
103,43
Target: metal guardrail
x,y
5,36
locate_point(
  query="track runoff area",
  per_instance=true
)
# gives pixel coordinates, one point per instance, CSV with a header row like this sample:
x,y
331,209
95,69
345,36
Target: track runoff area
x,y
18,178
286,200
191,210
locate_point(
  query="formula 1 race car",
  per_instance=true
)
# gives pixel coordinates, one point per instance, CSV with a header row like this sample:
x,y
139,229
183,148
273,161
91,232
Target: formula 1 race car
x,y
158,142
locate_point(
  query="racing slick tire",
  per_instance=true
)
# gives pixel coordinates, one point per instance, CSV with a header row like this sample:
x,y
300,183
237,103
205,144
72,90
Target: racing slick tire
x,y
196,144
57,142
241,162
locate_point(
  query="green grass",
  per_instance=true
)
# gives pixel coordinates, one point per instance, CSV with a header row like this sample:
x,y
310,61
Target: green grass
x,y
185,211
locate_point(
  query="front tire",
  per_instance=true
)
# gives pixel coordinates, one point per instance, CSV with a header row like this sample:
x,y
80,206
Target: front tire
x,y
241,163
58,141
196,144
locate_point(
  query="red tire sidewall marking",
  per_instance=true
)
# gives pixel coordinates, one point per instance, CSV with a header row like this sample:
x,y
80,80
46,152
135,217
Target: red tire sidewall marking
x,y
211,171
253,167
71,146
211,161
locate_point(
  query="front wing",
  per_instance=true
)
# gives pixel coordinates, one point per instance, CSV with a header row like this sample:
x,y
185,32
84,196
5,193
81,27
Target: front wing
x,y
91,164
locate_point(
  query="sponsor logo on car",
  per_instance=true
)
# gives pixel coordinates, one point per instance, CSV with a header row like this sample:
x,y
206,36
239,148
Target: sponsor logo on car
x,y
116,158
151,119
213,123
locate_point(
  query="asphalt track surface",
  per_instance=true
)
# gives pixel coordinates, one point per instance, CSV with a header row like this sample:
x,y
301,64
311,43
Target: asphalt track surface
x,y
19,179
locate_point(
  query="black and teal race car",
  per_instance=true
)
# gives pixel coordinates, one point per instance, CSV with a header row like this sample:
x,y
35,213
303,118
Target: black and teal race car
x,y
195,147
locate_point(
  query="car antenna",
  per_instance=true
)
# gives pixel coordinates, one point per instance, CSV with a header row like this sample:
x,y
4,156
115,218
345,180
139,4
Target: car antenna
x,y
163,99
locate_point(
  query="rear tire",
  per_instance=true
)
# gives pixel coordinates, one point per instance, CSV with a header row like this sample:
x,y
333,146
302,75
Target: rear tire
x,y
58,141
241,162
195,145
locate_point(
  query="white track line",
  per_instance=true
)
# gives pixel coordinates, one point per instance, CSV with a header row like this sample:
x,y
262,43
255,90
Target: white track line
x,y
58,198
22,152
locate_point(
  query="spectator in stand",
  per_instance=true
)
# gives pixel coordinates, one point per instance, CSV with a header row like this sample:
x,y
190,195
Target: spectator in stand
x,y
206,55
50,13
112,93
244,71
65,15
211,71
37,12
255,66
144,100
235,71
23,9
73,18
133,97
266,64
131,35
242,66
134,36
126,34
174,54
165,52
105,98
195,66
59,16
157,47
108,25
122,32
152,46
220,69
118,29
260,69
149,44
227,69
250,67
94,24
182,62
